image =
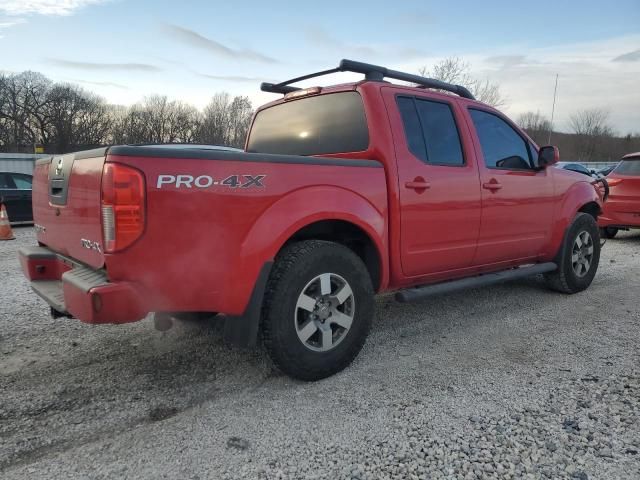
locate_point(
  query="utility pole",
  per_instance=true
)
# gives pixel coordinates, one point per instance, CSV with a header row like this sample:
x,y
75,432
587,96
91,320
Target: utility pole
x,y
553,109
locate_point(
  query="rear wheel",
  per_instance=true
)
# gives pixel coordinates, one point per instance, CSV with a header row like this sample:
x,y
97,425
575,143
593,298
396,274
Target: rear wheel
x,y
318,309
579,257
608,232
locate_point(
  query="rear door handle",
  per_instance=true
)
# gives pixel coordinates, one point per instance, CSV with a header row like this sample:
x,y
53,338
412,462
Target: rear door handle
x,y
418,184
494,185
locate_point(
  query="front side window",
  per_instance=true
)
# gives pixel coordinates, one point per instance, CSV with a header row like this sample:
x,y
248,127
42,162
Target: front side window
x,y
431,131
502,146
320,125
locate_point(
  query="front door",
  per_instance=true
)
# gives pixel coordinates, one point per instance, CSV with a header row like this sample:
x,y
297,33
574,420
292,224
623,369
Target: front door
x,y
517,199
438,185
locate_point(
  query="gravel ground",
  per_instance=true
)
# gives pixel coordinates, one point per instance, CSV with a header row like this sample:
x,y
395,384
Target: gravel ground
x,y
513,381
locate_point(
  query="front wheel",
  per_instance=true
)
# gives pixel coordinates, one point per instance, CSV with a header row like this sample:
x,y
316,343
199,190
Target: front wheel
x,y
578,258
318,309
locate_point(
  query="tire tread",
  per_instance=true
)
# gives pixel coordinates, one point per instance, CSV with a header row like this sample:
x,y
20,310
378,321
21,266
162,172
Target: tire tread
x,y
286,261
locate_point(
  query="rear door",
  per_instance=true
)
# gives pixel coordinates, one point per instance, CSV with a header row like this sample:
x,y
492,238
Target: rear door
x,y
438,184
517,199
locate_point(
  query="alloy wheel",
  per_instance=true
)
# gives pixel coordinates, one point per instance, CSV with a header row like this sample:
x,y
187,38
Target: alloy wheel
x,y
324,312
582,254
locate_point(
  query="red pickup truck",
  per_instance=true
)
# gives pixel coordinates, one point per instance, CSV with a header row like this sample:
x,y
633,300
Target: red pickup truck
x,y
343,192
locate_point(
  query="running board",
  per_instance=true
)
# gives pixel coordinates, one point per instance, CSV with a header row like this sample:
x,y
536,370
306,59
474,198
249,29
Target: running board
x,y
418,293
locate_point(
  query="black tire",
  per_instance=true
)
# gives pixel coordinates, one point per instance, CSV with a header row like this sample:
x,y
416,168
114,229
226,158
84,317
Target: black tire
x,y
566,279
296,269
609,232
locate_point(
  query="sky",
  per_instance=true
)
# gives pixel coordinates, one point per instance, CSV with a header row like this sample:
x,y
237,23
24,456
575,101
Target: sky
x,y
189,50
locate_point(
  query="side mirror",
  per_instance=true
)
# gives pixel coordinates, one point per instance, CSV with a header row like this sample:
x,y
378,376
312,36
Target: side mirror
x,y
548,155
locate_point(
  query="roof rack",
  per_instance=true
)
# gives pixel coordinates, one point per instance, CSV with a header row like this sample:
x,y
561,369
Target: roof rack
x,y
371,72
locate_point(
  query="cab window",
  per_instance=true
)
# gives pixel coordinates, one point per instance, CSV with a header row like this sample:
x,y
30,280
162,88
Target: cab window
x,y
502,146
431,131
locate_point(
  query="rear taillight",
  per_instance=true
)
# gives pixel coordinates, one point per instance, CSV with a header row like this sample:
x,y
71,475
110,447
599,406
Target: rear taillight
x,y
614,181
123,205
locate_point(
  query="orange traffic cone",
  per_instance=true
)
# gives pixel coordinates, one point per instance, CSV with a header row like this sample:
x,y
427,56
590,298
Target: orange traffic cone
x,y
5,227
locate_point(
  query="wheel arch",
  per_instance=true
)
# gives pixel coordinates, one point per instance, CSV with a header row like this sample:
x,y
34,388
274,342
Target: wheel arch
x,y
328,212
580,197
351,236
592,208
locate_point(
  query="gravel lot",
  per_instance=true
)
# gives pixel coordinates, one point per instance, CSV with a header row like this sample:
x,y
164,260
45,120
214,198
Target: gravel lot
x,y
513,381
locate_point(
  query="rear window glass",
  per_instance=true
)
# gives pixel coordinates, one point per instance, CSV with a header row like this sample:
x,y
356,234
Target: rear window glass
x,y
628,167
324,124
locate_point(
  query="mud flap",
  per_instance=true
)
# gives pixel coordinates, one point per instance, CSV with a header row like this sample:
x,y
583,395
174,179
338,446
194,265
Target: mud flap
x,y
242,330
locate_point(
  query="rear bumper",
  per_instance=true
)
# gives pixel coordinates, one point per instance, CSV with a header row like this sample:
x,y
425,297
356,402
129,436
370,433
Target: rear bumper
x,y
77,290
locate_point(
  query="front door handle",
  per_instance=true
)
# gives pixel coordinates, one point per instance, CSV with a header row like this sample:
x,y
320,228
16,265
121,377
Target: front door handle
x,y
417,184
492,185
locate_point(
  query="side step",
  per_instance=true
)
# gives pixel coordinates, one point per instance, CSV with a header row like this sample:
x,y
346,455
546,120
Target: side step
x,y
418,293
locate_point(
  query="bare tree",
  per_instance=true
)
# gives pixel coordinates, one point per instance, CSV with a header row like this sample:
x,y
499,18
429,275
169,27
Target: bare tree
x,y
155,120
455,70
75,118
240,113
225,121
592,133
20,96
536,125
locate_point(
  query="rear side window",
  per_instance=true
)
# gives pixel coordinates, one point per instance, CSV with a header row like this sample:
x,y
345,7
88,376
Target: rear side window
x,y
628,167
502,146
324,124
431,131
22,182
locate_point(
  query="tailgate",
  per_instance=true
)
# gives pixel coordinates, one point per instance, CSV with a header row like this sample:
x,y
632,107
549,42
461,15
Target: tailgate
x,y
66,205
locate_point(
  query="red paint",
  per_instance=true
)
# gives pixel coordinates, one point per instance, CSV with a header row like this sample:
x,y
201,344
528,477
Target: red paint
x,y
202,249
622,208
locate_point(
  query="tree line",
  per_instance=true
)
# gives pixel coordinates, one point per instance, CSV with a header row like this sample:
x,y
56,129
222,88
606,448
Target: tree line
x,y
63,117
591,139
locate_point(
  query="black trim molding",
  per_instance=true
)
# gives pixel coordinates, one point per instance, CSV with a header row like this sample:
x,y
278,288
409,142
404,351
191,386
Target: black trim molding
x,y
224,155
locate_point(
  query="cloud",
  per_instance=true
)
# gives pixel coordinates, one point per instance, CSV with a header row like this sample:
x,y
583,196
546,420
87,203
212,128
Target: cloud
x,y
100,84
320,37
194,39
44,7
230,78
6,23
628,57
505,61
587,78
416,18
136,67
323,39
